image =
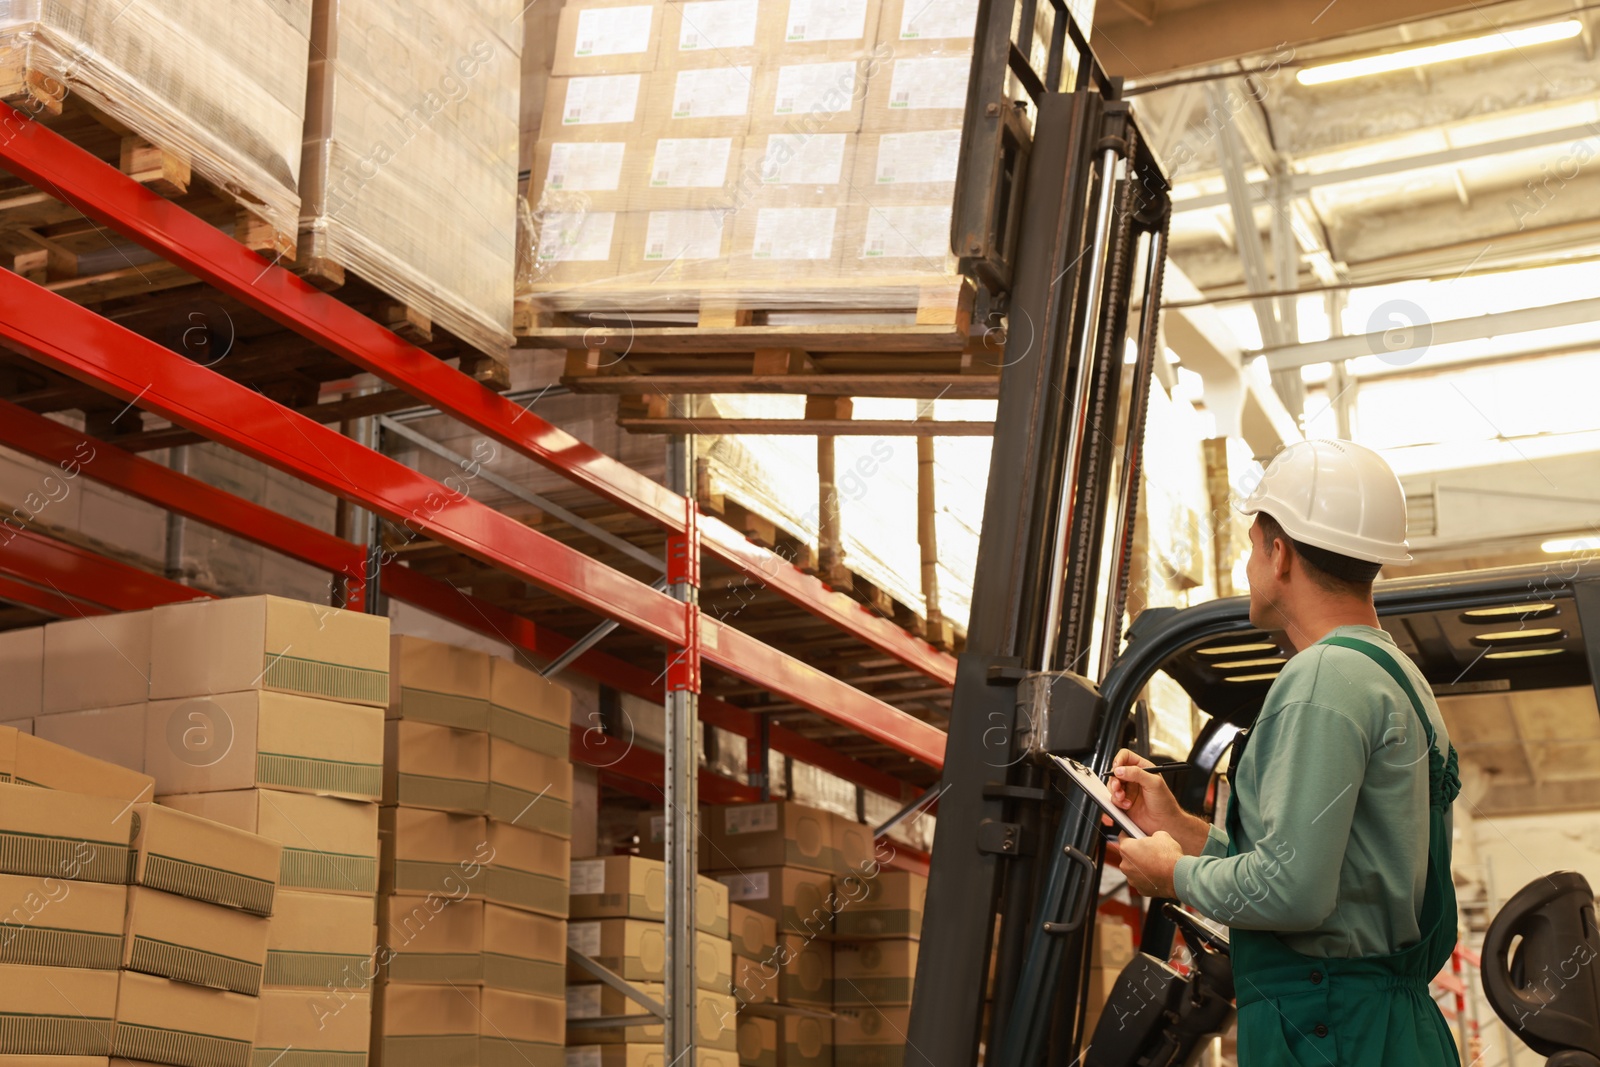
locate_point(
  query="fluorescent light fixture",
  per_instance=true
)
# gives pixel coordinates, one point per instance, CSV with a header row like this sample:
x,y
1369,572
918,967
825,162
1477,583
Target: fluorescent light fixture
x,y
1444,52
1233,650
1570,544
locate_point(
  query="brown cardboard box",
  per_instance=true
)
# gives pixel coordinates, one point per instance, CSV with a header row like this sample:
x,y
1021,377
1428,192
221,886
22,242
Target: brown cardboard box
x,y
890,903
758,1041
425,1026
715,1016
636,949
603,107
57,834
799,900
874,972
923,87
870,1036
607,37
755,981
51,766
527,870
813,30
809,96
853,843
778,833
753,934
909,167
319,941
805,1042
115,735
430,681
1102,981
950,22
50,922
332,1028
642,1055
57,1011
282,741
819,166
585,176
1113,944
686,247
684,173
530,789
430,940
521,1030
805,971
731,30
21,726
22,671
429,766
524,952
202,648
706,99
422,852
101,662
528,710
633,887
169,1022
329,845
191,941
193,857
575,246
773,238
886,237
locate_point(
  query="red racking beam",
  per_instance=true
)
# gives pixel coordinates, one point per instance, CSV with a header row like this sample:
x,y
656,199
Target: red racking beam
x,y
45,600
50,162
46,439
79,574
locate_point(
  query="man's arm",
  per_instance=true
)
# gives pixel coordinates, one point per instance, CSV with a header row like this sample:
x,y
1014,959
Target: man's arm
x,y
1310,762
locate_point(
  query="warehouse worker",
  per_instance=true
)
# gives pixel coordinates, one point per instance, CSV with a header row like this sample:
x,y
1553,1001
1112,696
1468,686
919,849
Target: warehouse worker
x,y
1334,872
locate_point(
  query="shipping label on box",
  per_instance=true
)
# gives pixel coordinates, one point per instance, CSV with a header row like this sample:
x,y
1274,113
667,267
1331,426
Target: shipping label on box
x,y
600,100
928,84
529,710
712,93
523,951
921,20
794,233
606,39
430,681
431,939
577,237
798,900
686,246
566,172
816,88
50,833
715,26
907,237
423,851
102,662
170,1022
58,1011
194,857
194,942
429,766
50,922
804,160
921,157
319,941
329,845
530,789
692,162
826,20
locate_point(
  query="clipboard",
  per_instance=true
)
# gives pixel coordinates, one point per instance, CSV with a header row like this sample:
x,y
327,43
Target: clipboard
x,y
1090,783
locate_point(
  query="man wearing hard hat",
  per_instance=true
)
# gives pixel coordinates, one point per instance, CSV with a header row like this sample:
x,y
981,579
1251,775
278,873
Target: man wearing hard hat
x,y
1334,872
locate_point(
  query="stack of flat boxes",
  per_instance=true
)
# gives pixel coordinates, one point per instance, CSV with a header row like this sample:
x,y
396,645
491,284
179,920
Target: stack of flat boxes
x,y
266,715
476,839
618,916
877,933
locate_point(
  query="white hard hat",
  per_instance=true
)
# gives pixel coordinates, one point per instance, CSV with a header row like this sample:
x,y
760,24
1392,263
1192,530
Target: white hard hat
x,y
1335,495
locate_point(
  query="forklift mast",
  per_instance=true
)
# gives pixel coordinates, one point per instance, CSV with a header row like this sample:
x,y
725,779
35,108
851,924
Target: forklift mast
x,y
1060,211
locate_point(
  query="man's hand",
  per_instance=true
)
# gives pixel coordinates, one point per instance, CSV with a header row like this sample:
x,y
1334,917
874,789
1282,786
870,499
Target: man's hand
x,y
1148,863
1151,805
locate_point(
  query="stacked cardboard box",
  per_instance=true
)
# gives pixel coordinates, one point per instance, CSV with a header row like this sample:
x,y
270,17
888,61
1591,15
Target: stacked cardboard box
x,y
879,928
266,715
711,144
475,830
618,908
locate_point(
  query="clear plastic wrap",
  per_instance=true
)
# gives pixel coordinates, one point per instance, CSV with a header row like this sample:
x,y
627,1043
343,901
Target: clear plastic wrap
x,y
410,175
221,85
779,154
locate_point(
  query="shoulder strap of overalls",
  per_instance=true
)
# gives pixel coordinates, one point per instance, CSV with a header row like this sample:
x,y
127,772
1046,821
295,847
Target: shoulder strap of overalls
x,y
1387,662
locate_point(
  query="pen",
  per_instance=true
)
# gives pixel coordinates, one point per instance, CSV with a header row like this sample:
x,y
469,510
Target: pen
x,y
1160,768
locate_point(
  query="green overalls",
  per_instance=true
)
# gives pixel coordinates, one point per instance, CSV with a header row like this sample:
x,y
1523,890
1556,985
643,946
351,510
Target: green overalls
x,y
1369,1011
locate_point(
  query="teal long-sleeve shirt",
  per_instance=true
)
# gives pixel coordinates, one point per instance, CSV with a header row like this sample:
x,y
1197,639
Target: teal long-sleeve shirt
x,y
1333,809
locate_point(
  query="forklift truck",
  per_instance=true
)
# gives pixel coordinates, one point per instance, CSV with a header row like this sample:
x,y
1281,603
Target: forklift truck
x,y
1061,214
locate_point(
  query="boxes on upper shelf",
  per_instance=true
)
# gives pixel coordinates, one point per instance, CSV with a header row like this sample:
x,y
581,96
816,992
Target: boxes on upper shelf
x,y
519,1029
59,834
329,845
523,951
22,670
606,37
282,741
421,851
636,949
529,788
870,1036
777,833
758,1041
205,647
425,1026
430,681
715,1016
602,107
874,972
115,735
319,941
50,922
194,857
634,887
799,900
526,709
338,1025
753,934
195,942
103,662
431,766
890,903
527,869
427,941
57,1011
171,1022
